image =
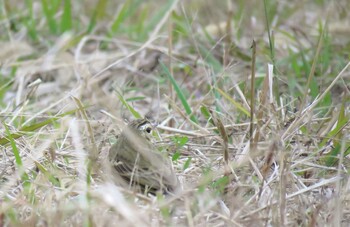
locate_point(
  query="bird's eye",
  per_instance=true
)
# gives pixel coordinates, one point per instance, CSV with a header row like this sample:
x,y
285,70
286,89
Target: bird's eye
x,y
148,129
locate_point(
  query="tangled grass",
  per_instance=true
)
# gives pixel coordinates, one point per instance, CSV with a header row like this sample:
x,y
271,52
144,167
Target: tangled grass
x,y
251,101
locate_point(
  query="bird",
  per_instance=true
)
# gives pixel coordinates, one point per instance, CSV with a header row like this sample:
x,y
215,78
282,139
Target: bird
x,y
138,162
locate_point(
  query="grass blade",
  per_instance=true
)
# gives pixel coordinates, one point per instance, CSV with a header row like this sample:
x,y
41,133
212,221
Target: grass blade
x,y
33,127
122,15
130,108
49,14
100,10
179,93
66,22
19,163
210,59
48,174
236,104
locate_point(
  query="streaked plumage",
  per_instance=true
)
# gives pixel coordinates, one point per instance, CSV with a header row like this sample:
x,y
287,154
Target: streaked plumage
x,y
138,162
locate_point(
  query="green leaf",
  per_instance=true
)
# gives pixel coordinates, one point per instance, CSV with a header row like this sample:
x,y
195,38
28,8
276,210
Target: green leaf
x,y
176,156
206,114
220,184
12,215
180,141
187,163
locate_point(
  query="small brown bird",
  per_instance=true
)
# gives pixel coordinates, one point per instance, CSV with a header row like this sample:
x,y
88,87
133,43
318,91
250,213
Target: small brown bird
x,y
138,162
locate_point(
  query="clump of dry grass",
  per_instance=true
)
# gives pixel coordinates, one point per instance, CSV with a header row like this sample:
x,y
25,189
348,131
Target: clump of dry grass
x,y
275,156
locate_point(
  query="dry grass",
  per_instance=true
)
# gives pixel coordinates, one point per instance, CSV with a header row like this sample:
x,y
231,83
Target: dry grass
x,y
65,97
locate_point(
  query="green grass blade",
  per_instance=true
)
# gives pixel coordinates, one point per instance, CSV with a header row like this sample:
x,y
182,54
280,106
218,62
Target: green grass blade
x,y
49,14
271,42
33,127
343,121
136,98
180,27
236,104
122,15
66,21
19,163
100,11
13,145
210,59
333,157
154,18
139,31
128,10
216,66
48,174
130,108
30,23
187,163
179,93
206,113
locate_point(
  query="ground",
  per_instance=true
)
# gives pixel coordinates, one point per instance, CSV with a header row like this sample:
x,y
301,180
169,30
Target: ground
x,y
249,99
